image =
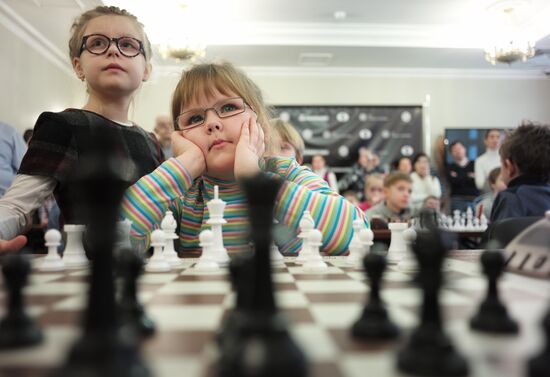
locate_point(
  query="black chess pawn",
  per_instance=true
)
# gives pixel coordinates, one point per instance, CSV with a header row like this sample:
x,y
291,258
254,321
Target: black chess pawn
x,y
539,366
260,344
17,329
492,316
429,351
374,323
130,310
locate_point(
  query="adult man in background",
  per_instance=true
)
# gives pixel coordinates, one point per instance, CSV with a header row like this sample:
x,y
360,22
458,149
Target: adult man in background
x,y
488,160
163,131
12,149
461,178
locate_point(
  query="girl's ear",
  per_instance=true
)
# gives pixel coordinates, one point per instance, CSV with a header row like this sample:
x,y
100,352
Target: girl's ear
x,y
147,72
77,67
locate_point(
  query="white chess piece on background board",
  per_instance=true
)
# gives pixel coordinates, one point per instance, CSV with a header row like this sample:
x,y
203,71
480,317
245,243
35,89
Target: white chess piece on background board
x,y
314,261
157,263
306,225
74,254
52,261
207,261
216,207
168,226
397,244
356,247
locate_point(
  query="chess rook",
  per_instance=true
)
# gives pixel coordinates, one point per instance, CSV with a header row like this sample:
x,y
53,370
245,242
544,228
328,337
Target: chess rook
x,y
397,244
74,254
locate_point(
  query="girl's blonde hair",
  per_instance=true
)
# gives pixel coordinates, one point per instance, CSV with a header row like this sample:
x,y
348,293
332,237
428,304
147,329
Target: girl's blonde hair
x,y
79,26
204,79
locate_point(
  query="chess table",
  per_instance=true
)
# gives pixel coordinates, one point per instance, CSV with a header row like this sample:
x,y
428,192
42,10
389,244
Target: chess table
x,y
188,307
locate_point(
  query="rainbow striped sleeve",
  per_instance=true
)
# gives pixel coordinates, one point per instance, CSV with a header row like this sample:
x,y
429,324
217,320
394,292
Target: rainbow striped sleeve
x,y
304,190
146,202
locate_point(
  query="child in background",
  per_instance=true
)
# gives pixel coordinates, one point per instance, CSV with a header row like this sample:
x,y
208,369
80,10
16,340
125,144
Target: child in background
x,y
397,194
110,52
432,202
224,131
484,203
374,191
525,169
319,167
352,197
290,142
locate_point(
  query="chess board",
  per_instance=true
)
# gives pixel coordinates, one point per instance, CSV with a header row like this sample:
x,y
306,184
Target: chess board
x,y
188,307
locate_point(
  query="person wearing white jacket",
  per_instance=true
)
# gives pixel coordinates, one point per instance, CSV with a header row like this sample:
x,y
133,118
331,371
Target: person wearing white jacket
x,y
423,183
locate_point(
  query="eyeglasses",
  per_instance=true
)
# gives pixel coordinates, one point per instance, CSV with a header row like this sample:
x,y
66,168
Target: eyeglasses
x,y
224,109
98,44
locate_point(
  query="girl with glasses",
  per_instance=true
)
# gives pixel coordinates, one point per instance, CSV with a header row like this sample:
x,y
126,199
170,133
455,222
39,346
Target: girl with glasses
x,y
224,135
111,54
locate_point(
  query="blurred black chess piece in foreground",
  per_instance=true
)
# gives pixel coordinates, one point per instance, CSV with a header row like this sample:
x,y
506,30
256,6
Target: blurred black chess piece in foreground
x,y
429,351
492,316
374,323
259,345
105,348
17,328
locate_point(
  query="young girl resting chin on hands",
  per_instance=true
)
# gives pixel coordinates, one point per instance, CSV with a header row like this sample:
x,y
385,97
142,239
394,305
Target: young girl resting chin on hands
x,y
222,135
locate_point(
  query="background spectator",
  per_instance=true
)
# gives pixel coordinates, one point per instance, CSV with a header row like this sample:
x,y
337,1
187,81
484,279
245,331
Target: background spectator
x,y
12,149
484,203
423,183
488,160
374,191
319,167
461,177
367,163
163,130
291,142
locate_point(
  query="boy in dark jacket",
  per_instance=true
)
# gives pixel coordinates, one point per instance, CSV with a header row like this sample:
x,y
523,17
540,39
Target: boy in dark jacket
x,y
525,167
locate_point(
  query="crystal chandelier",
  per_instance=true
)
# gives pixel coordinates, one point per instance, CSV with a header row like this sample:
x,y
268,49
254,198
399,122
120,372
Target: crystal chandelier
x,y
510,43
183,51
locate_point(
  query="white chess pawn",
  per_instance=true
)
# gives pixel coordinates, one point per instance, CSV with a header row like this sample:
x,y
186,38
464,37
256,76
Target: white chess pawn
x,y
168,226
408,262
157,263
469,220
277,259
355,246
314,261
397,244
366,236
306,225
207,260
74,254
52,261
216,207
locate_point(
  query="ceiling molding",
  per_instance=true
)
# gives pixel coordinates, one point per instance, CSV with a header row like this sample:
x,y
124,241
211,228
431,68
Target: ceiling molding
x,y
435,73
26,32
349,34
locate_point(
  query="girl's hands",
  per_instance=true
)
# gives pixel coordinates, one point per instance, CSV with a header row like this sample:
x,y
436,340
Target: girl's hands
x,y
188,153
249,149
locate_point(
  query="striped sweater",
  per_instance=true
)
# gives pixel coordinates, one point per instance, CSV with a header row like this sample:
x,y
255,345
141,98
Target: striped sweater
x,y
170,187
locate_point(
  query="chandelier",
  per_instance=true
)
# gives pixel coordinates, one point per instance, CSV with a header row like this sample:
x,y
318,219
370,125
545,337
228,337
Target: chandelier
x,y
183,51
508,21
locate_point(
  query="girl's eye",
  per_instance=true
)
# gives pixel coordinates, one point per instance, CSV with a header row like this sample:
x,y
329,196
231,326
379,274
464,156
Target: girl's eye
x,y
194,119
228,107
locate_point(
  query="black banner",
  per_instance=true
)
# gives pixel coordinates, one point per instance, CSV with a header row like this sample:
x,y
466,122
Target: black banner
x,y
337,132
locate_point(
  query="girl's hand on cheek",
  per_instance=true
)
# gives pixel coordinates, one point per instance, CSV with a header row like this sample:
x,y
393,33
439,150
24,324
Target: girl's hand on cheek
x,y
249,150
188,153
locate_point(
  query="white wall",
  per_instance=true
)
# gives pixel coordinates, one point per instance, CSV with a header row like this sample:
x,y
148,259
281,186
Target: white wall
x,y
31,84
